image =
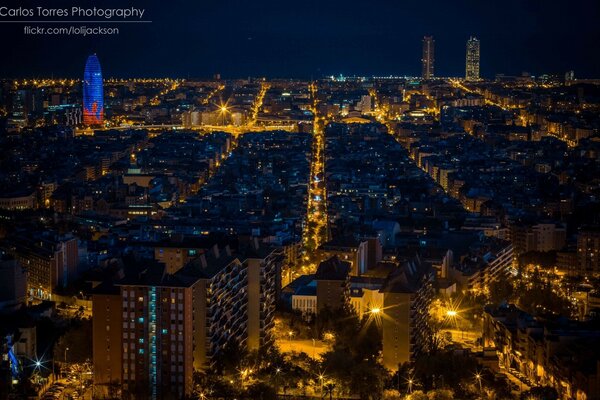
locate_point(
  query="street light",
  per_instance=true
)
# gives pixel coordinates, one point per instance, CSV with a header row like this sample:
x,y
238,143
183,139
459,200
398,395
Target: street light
x,y
223,109
321,377
478,377
376,314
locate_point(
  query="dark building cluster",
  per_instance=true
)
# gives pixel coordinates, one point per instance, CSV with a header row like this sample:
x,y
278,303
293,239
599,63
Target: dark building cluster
x,y
180,238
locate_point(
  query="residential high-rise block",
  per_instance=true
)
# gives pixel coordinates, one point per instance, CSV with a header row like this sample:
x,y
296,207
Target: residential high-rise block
x,y
13,283
428,58
51,261
173,322
472,64
407,294
588,250
333,284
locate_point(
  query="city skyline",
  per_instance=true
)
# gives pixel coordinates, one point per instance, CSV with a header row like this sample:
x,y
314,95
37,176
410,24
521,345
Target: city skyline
x,y
273,200
273,40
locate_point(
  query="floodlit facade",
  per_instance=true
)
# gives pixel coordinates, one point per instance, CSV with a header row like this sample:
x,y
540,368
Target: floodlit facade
x,y
93,93
407,294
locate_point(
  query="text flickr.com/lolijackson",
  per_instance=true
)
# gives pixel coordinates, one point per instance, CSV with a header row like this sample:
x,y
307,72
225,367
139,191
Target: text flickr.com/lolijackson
x,y
73,12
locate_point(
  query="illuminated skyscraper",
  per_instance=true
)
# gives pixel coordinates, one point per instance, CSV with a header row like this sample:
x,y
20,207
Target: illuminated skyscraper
x,y
93,95
472,69
428,57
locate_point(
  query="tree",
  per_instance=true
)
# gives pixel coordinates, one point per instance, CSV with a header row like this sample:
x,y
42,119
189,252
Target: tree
x,y
392,394
214,384
78,341
501,290
545,259
417,395
454,368
368,343
328,389
261,391
540,393
228,359
440,394
367,380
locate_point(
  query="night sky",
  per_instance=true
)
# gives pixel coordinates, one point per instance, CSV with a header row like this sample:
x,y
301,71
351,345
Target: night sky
x,y
313,38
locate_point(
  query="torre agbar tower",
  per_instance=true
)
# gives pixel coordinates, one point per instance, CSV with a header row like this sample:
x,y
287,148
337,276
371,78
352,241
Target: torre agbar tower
x,y
93,96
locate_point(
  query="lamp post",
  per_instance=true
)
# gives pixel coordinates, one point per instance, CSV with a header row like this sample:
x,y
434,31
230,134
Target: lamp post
x,y
277,371
452,314
223,109
321,377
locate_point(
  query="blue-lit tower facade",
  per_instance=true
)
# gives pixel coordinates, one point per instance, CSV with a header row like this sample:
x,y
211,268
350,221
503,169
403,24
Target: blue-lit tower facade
x,y
93,92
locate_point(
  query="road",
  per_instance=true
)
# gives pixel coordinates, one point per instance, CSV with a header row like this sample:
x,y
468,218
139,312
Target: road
x,y
465,338
234,130
303,346
315,231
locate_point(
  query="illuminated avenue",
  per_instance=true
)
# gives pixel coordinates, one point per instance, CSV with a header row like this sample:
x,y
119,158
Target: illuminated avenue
x,y
341,237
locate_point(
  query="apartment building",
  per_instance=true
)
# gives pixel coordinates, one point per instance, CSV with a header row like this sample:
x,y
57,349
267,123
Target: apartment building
x,y
407,293
489,261
172,323
559,353
50,261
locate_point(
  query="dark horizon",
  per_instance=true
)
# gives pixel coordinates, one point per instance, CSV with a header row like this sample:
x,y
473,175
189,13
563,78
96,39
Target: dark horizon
x,y
270,39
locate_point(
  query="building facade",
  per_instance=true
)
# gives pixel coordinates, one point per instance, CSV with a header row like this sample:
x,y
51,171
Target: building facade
x,y
472,62
333,284
51,261
407,294
562,354
13,283
170,323
428,58
93,92
588,250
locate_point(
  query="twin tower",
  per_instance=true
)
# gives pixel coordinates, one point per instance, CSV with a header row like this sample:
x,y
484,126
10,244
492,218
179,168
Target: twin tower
x,y
472,58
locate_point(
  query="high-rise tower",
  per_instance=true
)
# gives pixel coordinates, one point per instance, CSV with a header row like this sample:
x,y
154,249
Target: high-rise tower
x,y
428,57
93,94
472,67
